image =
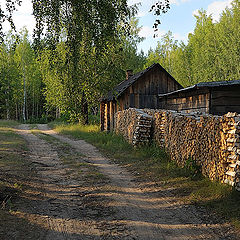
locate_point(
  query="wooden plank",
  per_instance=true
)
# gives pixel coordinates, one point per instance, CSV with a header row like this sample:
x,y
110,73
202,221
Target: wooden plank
x,y
220,110
137,100
141,100
108,116
189,105
155,102
114,111
131,89
132,100
111,113
164,83
105,117
102,113
233,91
195,92
181,107
225,101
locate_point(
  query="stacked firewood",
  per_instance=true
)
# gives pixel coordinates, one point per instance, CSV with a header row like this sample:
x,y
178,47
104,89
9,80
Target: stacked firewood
x,y
231,132
141,134
134,125
211,142
125,123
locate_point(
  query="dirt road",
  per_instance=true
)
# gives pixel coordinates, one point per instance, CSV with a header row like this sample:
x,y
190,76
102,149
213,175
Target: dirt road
x,y
67,204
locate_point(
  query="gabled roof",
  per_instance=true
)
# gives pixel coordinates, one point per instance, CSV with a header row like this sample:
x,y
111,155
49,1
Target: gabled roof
x,y
204,85
121,87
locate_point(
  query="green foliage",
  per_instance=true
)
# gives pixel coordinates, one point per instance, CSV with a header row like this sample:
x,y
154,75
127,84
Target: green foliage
x,y
4,123
87,33
39,88
94,119
97,72
6,15
20,79
212,52
192,168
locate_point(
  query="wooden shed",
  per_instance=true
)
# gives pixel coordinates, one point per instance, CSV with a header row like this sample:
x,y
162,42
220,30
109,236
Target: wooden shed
x,y
215,98
137,91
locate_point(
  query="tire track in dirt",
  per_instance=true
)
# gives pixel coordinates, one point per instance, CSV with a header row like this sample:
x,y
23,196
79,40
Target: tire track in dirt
x,y
59,211
148,216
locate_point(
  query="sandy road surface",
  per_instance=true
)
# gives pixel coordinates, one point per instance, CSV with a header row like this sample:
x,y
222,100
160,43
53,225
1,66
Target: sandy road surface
x,y
141,211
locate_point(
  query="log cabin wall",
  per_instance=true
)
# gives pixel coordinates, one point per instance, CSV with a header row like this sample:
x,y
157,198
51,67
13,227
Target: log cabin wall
x,y
102,115
139,91
225,99
217,100
193,101
144,92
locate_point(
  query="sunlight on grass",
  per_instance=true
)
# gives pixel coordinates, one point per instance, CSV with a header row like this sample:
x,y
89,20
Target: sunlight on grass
x,y
35,131
78,128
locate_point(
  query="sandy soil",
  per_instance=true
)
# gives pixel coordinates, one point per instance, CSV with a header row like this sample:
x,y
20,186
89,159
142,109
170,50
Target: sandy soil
x,y
119,208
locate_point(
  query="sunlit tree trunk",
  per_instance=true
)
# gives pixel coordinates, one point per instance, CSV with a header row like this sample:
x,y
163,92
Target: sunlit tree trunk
x,y
24,95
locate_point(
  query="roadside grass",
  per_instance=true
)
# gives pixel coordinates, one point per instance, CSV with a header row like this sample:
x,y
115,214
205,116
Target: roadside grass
x,y
8,123
15,170
153,163
12,148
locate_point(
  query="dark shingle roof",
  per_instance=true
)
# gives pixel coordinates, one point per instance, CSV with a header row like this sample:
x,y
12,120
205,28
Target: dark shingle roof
x,y
203,85
121,87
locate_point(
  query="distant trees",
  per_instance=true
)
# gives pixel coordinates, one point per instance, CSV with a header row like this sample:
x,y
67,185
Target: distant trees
x,y
29,92
87,47
20,79
211,54
40,83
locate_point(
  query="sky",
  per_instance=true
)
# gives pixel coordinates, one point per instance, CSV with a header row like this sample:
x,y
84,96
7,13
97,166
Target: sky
x,y
179,19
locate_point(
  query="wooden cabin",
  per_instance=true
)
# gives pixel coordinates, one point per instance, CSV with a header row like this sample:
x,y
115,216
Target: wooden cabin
x,y
137,91
215,98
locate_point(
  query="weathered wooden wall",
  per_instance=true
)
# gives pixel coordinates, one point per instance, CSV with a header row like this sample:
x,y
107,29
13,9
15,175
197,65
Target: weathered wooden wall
x,y
194,101
218,100
225,99
144,92
141,94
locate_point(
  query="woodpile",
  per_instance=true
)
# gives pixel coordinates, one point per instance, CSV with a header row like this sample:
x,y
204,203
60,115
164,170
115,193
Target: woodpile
x,y
135,126
142,131
231,132
212,142
125,123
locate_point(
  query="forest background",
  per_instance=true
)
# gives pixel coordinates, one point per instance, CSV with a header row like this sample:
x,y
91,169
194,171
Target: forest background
x,y
63,73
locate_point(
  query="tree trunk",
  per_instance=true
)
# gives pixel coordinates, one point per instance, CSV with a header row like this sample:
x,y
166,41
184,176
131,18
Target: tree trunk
x,y
84,109
7,109
24,95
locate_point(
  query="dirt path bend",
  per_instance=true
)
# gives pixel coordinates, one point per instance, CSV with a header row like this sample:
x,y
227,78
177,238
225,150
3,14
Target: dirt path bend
x,y
154,216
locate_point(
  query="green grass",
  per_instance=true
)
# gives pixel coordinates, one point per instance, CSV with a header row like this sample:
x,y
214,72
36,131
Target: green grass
x,y
152,163
12,163
8,123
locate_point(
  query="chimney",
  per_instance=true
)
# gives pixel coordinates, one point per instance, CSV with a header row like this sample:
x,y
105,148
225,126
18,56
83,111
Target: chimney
x,y
129,73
